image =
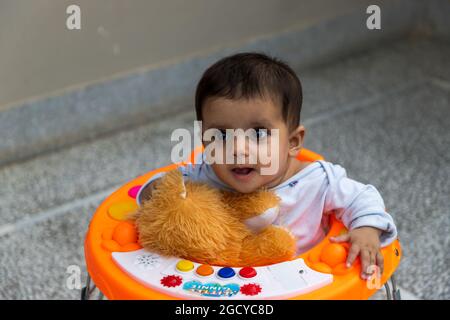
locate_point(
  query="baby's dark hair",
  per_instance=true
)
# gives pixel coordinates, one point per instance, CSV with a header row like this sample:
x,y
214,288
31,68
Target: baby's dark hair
x,y
251,75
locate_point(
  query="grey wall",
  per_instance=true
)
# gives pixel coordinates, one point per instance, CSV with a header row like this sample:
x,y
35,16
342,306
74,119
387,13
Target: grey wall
x,y
135,61
39,56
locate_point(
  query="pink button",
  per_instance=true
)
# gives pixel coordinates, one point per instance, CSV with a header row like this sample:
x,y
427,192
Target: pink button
x,y
134,191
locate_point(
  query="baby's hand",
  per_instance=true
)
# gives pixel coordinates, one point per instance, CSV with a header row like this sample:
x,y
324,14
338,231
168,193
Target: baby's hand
x,y
365,242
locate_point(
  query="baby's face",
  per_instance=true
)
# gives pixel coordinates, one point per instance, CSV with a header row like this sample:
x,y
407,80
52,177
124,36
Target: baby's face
x,y
257,114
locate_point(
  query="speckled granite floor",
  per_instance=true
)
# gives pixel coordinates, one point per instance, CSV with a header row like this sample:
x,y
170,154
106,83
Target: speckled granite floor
x,y
384,114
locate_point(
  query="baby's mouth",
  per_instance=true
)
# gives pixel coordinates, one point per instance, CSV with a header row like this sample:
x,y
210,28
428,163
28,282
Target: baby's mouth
x,y
242,171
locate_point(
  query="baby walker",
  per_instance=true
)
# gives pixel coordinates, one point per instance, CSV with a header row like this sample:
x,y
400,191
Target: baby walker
x,y
121,269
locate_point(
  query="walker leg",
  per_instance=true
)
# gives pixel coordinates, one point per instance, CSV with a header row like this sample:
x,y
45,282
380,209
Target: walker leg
x,y
395,294
388,291
86,292
395,291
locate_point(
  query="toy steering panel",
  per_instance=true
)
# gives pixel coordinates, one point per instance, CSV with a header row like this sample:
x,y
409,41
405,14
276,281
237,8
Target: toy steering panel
x,y
189,280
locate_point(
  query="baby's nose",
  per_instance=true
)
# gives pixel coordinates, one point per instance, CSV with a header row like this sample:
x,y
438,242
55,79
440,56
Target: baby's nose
x,y
241,147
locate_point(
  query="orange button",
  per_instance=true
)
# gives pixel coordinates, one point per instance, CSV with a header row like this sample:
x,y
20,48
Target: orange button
x,y
333,254
205,270
125,233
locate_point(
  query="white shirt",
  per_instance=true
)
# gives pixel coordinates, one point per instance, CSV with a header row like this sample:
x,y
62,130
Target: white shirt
x,y
308,197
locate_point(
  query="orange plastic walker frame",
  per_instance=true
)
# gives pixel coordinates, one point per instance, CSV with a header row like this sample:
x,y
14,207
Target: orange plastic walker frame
x,y
116,284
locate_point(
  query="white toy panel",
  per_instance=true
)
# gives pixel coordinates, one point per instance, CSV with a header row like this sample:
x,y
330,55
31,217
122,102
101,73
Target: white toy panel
x,y
183,279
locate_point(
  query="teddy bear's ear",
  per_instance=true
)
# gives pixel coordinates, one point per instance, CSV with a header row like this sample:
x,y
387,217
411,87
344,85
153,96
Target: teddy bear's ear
x,y
172,182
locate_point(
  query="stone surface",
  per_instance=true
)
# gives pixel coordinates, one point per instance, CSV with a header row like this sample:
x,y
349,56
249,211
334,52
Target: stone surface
x,y
383,114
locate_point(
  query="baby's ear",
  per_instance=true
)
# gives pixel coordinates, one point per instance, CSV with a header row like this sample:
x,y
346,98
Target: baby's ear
x,y
296,140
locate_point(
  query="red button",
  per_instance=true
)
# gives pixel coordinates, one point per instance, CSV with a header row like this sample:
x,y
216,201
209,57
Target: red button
x,y
247,272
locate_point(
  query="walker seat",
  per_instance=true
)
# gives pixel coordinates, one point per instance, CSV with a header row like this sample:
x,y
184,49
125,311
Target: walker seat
x,y
122,269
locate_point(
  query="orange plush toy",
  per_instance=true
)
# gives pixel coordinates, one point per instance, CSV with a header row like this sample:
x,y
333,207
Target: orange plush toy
x,y
197,222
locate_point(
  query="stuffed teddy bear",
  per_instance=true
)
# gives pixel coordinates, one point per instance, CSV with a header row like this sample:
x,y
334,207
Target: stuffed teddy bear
x,y
195,221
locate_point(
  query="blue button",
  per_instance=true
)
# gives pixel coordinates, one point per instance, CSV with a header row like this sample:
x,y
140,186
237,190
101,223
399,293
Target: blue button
x,y
226,272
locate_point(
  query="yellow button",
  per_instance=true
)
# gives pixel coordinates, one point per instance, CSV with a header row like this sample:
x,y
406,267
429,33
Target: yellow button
x,y
204,270
185,265
120,210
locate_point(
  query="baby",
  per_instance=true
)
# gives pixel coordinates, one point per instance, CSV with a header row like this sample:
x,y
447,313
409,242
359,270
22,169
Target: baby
x,y
254,91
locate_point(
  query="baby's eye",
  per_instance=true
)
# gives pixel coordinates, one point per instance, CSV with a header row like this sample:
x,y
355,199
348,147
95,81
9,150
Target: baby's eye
x,y
261,133
255,134
222,134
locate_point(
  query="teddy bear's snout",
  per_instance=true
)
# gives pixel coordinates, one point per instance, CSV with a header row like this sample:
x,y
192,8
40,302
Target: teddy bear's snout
x,y
260,222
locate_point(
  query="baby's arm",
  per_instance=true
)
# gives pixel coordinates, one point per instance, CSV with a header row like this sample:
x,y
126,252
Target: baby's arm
x,y
361,209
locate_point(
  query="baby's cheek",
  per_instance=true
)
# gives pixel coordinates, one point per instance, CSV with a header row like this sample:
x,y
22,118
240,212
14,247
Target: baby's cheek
x,y
273,164
219,169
